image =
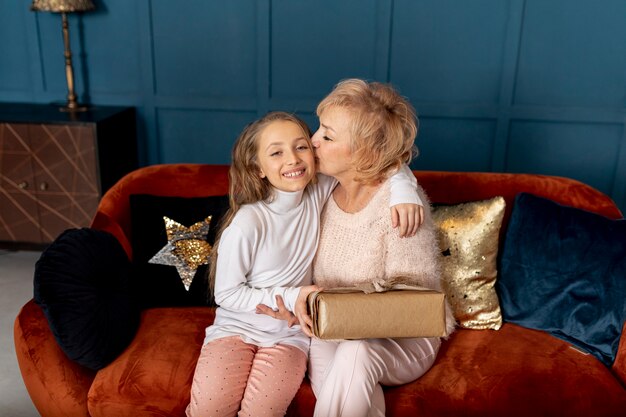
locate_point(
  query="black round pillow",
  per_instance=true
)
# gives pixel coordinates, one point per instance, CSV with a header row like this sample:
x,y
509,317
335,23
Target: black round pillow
x,y
82,284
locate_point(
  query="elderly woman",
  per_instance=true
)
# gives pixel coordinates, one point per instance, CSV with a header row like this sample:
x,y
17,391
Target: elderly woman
x,y
366,131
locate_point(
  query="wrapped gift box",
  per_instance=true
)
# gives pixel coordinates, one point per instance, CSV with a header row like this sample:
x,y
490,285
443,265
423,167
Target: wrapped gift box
x,y
353,314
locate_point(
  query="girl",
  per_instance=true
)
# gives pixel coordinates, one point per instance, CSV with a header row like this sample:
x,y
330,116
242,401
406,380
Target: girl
x,y
251,363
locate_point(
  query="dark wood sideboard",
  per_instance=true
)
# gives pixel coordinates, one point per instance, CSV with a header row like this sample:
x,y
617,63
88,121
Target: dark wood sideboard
x,y
55,167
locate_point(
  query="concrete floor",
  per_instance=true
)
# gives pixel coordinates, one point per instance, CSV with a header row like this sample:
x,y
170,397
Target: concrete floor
x,y
16,288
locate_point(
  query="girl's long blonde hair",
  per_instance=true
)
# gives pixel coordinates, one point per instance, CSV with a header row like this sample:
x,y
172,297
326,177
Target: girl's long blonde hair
x,y
245,183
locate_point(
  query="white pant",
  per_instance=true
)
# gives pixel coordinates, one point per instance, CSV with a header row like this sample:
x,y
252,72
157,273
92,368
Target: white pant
x,y
346,375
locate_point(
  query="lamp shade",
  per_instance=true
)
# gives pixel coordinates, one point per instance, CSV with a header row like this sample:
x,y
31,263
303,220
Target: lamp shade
x,y
65,6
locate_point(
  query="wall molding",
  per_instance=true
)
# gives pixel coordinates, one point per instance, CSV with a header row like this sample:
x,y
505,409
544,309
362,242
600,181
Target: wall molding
x,y
403,42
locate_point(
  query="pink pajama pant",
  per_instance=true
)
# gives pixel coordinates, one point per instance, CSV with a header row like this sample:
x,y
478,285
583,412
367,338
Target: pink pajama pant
x,y
233,377
346,376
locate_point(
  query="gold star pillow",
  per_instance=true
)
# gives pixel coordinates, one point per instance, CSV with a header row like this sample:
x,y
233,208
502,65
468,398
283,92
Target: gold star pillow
x,y
170,257
468,239
186,248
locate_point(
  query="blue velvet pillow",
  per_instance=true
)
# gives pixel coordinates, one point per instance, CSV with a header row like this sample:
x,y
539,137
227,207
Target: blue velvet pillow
x,y
82,283
563,270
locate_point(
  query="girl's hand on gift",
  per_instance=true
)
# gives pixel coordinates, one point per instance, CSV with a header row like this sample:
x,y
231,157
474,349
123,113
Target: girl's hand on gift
x,y
281,313
306,323
408,217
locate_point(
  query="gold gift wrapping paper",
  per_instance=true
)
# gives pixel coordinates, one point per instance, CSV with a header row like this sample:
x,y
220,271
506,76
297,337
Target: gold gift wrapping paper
x,y
352,314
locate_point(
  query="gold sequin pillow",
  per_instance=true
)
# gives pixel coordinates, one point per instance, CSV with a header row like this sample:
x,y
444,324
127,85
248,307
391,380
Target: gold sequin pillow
x,y
468,238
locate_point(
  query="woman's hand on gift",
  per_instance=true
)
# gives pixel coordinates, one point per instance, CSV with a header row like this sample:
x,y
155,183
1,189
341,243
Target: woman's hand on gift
x,y
281,313
408,218
306,323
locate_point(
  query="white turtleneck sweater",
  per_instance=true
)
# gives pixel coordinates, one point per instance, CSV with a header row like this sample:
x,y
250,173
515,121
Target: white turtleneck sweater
x,y
268,250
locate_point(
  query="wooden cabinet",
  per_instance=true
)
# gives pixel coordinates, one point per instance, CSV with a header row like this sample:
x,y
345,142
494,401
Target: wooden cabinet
x,y
55,166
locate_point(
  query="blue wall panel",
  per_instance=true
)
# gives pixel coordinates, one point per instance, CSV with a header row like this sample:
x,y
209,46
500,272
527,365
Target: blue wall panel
x,y
15,74
205,48
105,61
499,85
118,50
448,51
310,119
455,144
573,53
313,47
588,152
200,136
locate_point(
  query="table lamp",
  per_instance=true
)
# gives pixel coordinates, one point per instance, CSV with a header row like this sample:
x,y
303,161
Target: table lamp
x,y
64,7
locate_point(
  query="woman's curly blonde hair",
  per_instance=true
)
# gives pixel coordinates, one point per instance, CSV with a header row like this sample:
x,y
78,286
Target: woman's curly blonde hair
x,y
383,126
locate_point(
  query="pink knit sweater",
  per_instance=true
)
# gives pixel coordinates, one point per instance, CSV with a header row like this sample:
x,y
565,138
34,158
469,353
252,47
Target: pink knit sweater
x,y
361,247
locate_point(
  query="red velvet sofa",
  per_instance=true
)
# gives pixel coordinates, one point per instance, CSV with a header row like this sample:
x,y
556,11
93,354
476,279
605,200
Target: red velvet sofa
x,y
513,371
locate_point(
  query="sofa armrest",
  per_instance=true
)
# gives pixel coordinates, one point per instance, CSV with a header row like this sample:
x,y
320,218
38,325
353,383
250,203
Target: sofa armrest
x,y
171,180
104,222
619,366
56,385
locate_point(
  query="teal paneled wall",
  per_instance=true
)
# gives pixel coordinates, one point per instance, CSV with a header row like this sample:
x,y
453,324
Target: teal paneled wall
x,y
500,85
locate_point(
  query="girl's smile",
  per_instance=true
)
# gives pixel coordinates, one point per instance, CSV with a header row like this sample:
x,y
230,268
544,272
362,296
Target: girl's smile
x,y
285,156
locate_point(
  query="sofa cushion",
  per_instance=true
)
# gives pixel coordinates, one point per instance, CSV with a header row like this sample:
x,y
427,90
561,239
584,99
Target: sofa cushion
x,y
562,271
514,372
160,285
153,376
468,238
81,282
